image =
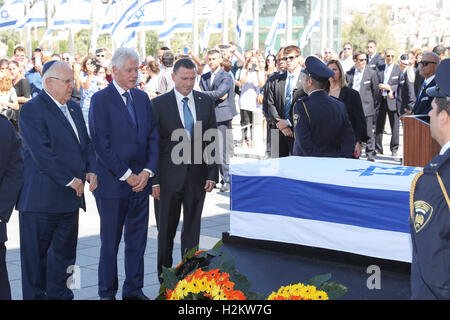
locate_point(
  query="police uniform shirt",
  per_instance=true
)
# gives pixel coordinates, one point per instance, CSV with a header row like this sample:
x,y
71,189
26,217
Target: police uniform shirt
x,y
430,229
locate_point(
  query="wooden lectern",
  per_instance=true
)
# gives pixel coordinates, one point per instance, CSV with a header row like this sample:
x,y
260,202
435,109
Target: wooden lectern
x,y
419,147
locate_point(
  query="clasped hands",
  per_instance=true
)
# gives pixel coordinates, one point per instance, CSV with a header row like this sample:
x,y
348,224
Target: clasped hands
x,y
284,127
78,185
138,182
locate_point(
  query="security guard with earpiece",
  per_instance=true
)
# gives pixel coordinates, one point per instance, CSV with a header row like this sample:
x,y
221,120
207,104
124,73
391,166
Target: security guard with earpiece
x,y
430,203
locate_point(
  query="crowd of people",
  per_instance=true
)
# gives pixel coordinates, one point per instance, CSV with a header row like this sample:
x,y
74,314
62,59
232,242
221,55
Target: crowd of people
x,y
109,119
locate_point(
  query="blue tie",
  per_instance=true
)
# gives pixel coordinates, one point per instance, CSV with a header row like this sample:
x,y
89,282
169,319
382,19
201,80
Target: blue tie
x,y
188,118
288,103
130,108
64,111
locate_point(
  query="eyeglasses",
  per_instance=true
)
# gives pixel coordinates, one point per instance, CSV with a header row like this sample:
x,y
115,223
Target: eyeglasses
x,y
66,82
426,63
289,58
66,58
362,60
347,49
100,56
390,56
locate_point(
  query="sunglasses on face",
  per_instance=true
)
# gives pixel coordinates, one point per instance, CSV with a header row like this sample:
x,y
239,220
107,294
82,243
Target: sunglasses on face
x,y
362,60
347,49
100,56
426,63
390,56
289,58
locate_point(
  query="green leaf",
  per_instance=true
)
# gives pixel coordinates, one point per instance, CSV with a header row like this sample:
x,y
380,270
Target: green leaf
x,y
218,245
317,281
190,254
334,290
169,277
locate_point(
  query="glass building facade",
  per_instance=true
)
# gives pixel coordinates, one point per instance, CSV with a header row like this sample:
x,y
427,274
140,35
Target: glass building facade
x,y
301,12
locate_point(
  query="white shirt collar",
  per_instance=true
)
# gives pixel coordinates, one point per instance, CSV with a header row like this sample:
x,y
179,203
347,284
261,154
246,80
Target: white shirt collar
x,y
119,88
54,100
295,74
217,71
445,148
428,80
180,97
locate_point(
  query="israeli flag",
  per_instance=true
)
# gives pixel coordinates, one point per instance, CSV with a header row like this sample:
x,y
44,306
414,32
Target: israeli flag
x,y
312,26
109,18
11,12
278,26
244,22
35,17
211,26
339,204
180,22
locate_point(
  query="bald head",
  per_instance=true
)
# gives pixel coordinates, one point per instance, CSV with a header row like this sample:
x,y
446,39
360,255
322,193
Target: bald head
x,y
429,64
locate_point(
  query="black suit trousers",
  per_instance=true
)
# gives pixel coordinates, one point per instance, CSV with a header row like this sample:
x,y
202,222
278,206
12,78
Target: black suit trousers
x,y
394,121
191,197
285,146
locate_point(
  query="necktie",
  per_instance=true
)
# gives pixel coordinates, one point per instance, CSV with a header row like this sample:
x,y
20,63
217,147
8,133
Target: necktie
x,y
386,79
420,92
130,108
188,118
65,111
288,102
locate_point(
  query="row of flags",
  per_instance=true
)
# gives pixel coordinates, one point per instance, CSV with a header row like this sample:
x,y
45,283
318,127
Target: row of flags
x,y
123,22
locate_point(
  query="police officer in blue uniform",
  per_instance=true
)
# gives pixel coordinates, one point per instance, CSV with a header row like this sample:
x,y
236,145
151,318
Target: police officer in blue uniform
x,y
321,124
430,203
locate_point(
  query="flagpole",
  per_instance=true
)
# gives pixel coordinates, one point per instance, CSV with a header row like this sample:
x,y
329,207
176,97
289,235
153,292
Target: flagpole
x,y
289,22
323,25
142,44
255,24
195,28
225,22
49,22
28,29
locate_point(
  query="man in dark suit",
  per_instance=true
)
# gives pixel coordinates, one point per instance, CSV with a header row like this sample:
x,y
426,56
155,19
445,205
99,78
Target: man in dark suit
x,y
183,178
125,138
11,178
285,89
58,158
364,80
405,97
427,68
389,75
321,124
219,85
374,60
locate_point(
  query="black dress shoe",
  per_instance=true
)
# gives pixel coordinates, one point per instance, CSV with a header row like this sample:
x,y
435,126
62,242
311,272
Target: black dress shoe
x,y
140,296
370,157
107,298
225,187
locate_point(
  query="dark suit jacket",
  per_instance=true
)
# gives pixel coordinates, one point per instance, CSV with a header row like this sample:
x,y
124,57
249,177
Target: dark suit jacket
x,y
376,62
322,128
118,144
11,169
276,96
169,174
369,89
52,156
223,84
423,103
405,97
393,81
353,104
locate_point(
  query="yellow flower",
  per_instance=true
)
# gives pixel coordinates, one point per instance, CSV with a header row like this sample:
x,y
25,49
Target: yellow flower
x,y
182,289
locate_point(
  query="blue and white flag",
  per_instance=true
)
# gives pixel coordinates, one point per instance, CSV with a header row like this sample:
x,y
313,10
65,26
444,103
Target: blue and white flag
x,y
109,18
278,26
118,33
181,21
11,12
338,204
312,26
35,17
211,26
244,22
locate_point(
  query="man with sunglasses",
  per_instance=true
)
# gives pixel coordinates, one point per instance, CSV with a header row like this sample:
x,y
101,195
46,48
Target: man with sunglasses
x,y
389,75
427,68
347,61
286,88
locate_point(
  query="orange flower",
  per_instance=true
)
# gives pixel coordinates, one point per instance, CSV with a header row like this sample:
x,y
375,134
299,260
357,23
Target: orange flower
x,y
198,252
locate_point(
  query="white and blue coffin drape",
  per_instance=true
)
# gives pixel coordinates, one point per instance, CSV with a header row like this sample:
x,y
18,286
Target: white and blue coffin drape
x,y
346,205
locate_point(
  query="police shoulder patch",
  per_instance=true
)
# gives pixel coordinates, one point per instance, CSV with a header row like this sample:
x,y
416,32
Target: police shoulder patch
x,y
422,215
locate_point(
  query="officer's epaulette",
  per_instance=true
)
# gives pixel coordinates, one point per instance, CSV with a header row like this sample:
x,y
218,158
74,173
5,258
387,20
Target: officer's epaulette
x,y
437,163
303,99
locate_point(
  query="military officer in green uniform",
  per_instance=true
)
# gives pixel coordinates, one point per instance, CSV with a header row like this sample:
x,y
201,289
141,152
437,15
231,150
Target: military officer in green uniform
x,y
430,203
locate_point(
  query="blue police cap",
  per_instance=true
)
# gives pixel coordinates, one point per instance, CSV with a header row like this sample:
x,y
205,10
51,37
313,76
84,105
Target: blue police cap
x,y
442,88
47,66
317,69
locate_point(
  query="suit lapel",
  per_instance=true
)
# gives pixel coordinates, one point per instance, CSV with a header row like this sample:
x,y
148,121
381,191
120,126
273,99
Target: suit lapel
x,y
173,105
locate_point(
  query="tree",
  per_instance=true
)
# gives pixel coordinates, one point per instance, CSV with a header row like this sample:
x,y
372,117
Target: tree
x,y
375,26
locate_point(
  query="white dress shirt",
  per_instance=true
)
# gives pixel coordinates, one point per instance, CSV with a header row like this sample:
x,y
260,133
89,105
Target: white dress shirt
x,y
445,148
121,92
191,105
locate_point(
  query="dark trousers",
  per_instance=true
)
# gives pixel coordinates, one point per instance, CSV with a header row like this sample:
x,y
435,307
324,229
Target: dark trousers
x,y
285,145
394,122
48,244
191,197
130,216
5,289
226,149
370,144
246,124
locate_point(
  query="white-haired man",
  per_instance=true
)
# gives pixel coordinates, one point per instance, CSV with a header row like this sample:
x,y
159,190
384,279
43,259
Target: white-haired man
x,y
125,138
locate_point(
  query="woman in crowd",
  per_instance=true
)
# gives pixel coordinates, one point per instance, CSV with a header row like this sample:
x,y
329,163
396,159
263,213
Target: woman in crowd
x,y
102,81
89,84
152,83
252,78
352,100
8,97
21,86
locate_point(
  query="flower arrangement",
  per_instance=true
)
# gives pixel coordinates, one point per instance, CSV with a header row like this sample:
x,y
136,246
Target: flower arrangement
x,y
206,275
